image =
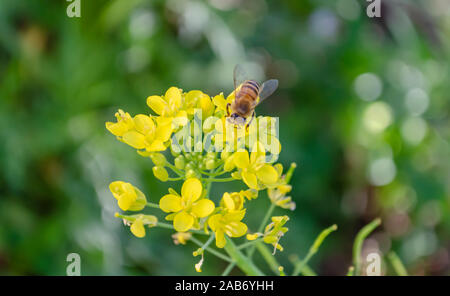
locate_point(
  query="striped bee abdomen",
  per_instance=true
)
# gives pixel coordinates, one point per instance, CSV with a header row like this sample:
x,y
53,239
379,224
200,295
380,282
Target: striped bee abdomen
x,y
249,88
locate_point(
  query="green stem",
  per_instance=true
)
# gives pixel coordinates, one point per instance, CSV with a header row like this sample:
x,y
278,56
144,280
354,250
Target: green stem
x,y
357,246
268,257
266,218
229,268
213,173
212,251
313,250
307,270
169,226
174,179
397,264
248,244
243,262
174,169
152,205
208,181
221,180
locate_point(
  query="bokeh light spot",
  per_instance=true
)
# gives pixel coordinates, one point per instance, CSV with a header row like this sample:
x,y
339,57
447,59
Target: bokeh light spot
x,y
368,86
414,130
382,171
417,101
377,117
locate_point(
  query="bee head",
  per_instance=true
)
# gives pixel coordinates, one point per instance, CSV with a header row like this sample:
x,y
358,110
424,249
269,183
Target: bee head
x,y
236,119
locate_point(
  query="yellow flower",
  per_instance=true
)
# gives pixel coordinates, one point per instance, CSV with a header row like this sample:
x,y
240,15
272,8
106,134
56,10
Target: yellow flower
x,y
273,232
196,99
137,223
227,223
124,124
128,196
264,130
278,196
249,194
141,132
253,169
169,106
221,102
147,135
181,237
188,208
232,202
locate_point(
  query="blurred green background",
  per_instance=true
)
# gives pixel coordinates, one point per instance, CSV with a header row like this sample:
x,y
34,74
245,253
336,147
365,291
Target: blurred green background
x,y
363,106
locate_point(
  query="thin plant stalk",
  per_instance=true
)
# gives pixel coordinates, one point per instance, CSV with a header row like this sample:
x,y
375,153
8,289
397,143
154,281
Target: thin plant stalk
x,y
357,246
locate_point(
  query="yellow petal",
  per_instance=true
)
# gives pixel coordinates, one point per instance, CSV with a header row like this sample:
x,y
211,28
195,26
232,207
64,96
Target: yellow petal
x,y
270,239
157,104
207,106
164,121
267,174
220,102
191,190
170,203
235,216
124,203
140,201
220,239
163,132
156,145
251,237
143,123
134,139
116,188
250,179
183,222
238,229
241,159
173,96
203,208
279,168
214,222
193,96
228,201
137,228
116,128
258,153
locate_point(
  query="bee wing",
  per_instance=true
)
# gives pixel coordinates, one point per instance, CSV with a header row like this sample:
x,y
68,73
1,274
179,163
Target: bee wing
x,y
267,88
239,76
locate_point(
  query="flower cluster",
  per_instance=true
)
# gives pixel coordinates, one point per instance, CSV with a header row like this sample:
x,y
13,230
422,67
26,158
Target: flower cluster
x,y
189,139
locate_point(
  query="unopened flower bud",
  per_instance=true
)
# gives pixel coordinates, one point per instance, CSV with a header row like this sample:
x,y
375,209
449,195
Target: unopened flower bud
x,y
180,162
210,164
190,174
158,159
211,155
160,173
189,166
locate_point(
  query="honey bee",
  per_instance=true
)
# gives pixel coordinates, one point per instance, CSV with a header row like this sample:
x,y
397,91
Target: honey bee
x,y
248,95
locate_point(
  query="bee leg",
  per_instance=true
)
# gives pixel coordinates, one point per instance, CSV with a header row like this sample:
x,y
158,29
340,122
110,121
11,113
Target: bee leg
x,y
248,124
228,110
